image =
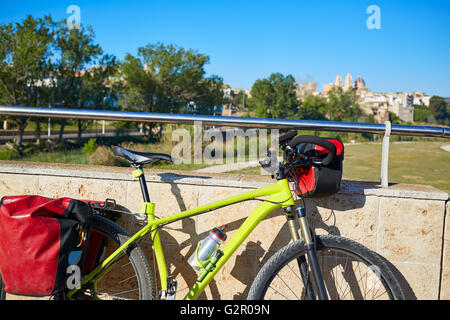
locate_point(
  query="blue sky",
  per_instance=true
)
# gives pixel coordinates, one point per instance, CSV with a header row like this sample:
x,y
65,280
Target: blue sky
x,y
249,40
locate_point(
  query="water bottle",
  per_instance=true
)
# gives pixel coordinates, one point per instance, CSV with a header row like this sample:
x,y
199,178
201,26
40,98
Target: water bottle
x,y
206,248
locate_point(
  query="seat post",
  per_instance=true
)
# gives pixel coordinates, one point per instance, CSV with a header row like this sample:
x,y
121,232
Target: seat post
x,y
143,184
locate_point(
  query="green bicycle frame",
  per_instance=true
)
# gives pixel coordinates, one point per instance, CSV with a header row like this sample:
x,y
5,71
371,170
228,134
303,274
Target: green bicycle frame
x,y
278,194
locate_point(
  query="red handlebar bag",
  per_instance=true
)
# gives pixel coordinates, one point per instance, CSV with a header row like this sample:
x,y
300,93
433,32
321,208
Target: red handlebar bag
x,y
37,234
319,181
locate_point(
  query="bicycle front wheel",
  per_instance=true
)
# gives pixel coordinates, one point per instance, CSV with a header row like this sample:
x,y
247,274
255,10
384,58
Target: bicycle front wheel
x,y
350,272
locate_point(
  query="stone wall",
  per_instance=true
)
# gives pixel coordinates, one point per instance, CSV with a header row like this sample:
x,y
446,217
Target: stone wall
x,y
404,223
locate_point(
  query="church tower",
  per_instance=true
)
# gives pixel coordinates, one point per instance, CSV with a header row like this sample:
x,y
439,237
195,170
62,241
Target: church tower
x,y
348,82
338,81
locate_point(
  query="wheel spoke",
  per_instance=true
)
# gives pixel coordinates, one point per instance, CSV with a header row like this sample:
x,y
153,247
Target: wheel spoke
x,y
128,277
347,274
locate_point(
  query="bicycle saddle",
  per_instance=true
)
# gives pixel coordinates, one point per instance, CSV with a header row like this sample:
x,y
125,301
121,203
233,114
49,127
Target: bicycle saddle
x,y
140,158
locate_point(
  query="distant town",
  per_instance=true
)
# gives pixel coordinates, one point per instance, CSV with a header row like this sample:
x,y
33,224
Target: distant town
x,y
377,104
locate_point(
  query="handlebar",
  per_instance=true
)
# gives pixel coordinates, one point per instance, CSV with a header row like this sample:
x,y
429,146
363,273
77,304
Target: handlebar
x,y
287,137
318,141
293,156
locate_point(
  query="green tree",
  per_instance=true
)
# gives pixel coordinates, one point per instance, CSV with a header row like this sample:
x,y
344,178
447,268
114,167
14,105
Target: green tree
x,y
394,119
101,84
177,70
25,49
313,108
448,113
167,78
422,114
99,87
140,90
342,105
240,101
76,50
208,94
438,108
274,97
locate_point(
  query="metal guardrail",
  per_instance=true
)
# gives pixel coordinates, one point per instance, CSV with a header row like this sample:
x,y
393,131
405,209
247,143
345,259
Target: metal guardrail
x,y
387,129
396,129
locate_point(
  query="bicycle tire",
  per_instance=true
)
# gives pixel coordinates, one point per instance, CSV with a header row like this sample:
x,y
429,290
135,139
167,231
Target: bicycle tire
x,y
280,264
134,253
137,264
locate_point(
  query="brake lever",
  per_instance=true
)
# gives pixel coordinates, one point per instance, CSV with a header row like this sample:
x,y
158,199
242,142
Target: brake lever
x,y
267,165
265,162
270,163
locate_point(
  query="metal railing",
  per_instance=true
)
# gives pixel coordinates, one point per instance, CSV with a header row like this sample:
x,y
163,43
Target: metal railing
x,y
375,128
396,129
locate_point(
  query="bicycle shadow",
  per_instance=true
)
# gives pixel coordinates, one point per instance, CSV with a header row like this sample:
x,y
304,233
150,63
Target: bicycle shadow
x,y
176,258
320,223
324,215
327,223
169,177
323,219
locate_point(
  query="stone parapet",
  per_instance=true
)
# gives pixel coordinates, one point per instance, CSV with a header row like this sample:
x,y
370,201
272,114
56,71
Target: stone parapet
x,y
404,223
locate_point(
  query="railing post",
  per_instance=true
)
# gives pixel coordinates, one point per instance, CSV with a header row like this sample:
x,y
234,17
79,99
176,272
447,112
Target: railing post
x,y
49,129
385,154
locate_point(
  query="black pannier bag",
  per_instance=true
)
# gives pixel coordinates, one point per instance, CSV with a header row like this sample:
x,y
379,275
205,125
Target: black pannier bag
x,y
38,236
322,180
97,242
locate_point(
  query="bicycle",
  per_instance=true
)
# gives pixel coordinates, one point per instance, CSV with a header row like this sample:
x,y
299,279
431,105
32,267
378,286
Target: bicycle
x,y
310,267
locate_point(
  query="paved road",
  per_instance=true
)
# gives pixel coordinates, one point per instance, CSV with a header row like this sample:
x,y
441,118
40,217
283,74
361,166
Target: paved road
x,y
68,135
446,147
231,166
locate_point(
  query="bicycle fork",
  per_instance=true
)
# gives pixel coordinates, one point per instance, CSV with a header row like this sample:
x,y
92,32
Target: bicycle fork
x,y
296,218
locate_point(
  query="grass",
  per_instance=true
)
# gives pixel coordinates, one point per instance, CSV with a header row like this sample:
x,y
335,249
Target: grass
x,y
418,162
409,162
71,156
77,156
421,162
55,126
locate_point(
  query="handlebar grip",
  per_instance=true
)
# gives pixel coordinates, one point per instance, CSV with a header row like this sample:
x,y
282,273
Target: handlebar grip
x,y
318,141
286,137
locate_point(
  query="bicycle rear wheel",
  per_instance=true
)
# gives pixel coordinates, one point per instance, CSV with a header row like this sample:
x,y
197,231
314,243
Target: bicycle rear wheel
x,y
130,278
350,272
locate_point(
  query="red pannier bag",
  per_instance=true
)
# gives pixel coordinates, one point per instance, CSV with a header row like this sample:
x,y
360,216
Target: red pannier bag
x,y
319,181
37,235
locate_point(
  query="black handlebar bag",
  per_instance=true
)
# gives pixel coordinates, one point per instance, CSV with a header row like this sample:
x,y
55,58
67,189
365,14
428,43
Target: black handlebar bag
x,y
319,181
37,237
